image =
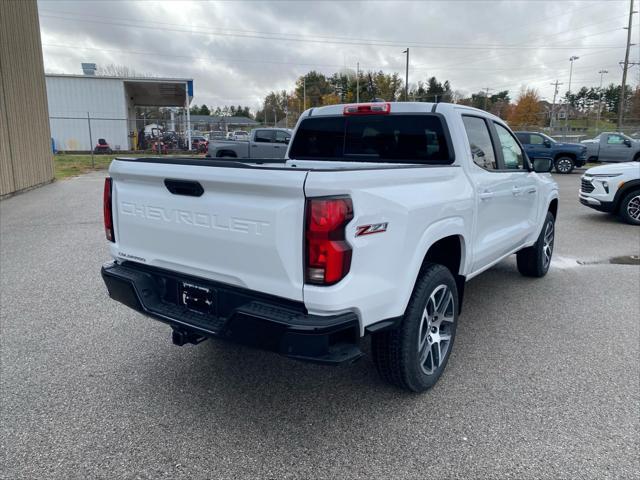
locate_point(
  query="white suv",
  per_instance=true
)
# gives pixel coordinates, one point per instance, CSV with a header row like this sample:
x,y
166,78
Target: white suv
x,y
614,189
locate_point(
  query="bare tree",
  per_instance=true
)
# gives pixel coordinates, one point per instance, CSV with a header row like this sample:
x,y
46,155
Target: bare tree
x,y
113,70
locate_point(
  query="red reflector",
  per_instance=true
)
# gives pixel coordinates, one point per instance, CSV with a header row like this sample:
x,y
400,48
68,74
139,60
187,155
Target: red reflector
x,y
106,208
328,255
380,108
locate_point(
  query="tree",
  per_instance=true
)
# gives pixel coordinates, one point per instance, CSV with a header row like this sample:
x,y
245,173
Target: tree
x,y
194,110
527,110
204,110
113,70
315,85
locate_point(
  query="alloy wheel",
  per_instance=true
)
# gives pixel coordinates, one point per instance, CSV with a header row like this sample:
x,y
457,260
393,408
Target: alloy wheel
x,y
633,207
564,165
547,244
436,329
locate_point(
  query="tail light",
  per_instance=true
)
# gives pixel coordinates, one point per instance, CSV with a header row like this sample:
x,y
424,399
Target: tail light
x,y
327,253
379,108
106,208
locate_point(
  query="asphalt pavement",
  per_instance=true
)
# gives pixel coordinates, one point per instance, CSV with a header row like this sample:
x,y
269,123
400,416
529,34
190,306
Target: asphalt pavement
x,y
543,382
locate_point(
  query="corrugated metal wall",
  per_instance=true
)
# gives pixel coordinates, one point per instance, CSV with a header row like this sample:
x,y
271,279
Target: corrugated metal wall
x,y
72,98
25,142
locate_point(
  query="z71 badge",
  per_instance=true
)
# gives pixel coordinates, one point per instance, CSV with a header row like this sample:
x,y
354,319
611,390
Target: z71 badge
x,y
371,229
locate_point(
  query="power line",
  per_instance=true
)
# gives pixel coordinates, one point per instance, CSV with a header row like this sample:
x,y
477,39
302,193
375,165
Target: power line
x,y
302,39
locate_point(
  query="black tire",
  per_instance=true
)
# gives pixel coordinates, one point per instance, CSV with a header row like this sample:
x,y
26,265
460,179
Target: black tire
x,y
629,210
564,165
397,354
534,261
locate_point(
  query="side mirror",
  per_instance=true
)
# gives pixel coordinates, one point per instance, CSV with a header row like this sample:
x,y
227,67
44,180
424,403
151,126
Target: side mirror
x,y
542,165
547,143
627,142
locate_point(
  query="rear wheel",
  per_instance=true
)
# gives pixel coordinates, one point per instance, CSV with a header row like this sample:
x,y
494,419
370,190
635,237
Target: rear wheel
x,y
414,355
534,261
630,208
564,165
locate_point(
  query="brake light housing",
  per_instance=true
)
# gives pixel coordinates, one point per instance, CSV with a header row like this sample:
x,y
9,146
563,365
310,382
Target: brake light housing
x,y
327,252
378,108
106,208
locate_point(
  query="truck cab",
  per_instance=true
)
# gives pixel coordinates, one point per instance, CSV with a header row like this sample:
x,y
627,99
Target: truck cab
x,y
565,156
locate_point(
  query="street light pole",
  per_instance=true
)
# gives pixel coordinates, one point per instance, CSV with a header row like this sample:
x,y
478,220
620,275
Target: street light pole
x,y
357,82
406,78
602,73
566,117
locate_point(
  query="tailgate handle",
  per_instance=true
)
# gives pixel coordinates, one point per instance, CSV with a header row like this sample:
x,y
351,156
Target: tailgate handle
x,y
188,188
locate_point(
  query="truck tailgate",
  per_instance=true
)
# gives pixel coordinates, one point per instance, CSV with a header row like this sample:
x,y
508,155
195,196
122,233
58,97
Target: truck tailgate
x,y
245,229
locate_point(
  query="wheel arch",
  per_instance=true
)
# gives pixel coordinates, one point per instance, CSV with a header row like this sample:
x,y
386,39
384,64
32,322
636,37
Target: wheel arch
x,y
445,243
559,155
553,208
226,153
623,191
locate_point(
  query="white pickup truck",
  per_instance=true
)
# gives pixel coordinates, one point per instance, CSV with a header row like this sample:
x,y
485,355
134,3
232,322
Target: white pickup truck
x,y
371,226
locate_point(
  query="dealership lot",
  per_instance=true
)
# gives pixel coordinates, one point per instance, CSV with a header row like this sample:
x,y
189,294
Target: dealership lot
x,y
543,381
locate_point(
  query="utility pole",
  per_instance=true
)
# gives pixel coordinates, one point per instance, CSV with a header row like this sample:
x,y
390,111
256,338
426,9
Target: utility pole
x,y
602,73
406,78
625,67
486,96
357,82
553,105
304,93
566,116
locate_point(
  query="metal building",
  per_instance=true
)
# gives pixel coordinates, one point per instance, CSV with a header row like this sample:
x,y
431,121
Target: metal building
x,y
25,143
85,108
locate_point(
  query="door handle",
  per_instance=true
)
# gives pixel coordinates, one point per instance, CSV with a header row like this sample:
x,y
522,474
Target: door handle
x,y
532,190
486,195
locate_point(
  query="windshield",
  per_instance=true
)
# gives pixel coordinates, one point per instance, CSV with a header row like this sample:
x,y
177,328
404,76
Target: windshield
x,y
381,138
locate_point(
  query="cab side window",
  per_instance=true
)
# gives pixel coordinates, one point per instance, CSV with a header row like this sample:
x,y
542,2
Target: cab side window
x,y
282,137
511,151
615,140
264,136
536,139
480,142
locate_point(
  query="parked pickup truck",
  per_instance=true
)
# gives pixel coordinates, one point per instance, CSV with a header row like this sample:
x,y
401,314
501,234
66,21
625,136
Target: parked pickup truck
x,y
566,156
612,147
370,227
262,143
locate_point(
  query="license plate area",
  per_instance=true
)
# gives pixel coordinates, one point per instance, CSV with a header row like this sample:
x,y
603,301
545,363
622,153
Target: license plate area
x,y
197,298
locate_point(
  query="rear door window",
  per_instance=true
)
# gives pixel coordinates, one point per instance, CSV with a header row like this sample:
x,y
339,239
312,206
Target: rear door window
x,y
264,136
377,138
511,151
480,142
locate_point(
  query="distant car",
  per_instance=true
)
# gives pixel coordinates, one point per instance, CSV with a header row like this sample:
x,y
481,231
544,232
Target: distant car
x,y
566,156
613,188
216,136
240,135
102,147
199,143
612,147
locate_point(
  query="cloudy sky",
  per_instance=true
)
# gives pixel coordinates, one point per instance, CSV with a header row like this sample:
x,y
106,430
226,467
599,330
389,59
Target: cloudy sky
x,y
237,51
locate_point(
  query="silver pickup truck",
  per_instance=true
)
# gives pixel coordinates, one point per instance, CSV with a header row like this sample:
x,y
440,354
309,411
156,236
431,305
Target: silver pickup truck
x,y
262,143
612,147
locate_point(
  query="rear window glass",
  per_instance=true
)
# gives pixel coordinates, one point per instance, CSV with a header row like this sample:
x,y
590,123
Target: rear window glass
x,y
382,138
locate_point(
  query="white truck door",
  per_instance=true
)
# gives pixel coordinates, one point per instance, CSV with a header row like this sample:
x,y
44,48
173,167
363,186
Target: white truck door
x,y
499,220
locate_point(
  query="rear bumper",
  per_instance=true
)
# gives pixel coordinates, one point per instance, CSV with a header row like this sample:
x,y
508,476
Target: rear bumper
x,y
251,318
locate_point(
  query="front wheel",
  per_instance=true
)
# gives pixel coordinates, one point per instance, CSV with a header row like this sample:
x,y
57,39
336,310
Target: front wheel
x,y
414,355
630,208
534,261
564,165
